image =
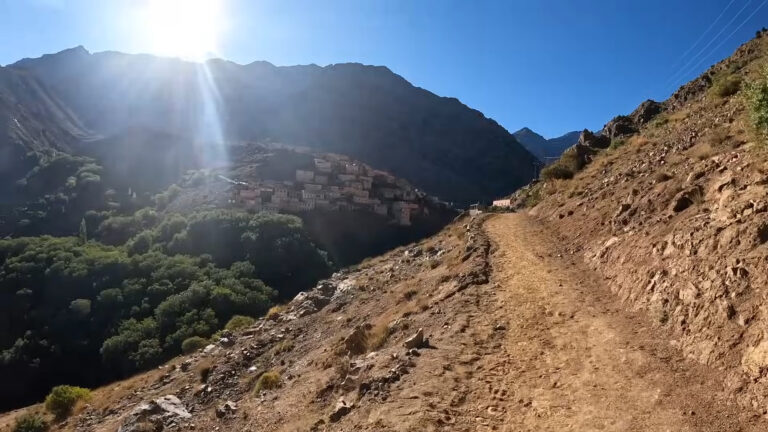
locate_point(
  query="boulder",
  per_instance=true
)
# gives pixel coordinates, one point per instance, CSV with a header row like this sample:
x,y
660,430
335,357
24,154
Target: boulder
x,y
589,140
618,127
356,343
415,341
326,288
645,112
755,360
155,414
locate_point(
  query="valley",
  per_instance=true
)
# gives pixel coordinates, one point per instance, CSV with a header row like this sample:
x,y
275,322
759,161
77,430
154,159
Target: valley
x,y
221,246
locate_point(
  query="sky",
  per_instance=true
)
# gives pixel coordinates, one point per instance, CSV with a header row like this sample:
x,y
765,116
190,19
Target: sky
x,y
551,65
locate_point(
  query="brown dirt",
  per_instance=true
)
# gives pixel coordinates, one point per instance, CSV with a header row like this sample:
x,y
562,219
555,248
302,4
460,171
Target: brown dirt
x,y
578,361
542,346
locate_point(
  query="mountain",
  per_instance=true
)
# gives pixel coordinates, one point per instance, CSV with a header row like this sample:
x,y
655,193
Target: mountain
x,y
641,250
545,149
34,124
367,112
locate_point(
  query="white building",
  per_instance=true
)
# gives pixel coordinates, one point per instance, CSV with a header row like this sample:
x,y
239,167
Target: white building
x,y
323,165
303,176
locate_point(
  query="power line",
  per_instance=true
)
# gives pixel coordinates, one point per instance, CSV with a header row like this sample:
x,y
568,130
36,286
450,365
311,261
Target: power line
x,y
727,38
711,26
678,75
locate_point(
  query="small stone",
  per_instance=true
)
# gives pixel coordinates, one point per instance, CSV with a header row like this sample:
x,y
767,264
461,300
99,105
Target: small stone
x,y
228,407
413,352
415,341
342,409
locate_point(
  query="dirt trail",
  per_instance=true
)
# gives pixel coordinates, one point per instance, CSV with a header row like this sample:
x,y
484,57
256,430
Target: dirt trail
x,y
544,346
569,357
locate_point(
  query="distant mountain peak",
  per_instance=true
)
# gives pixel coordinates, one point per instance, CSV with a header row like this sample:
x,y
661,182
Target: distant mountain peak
x,y
542,148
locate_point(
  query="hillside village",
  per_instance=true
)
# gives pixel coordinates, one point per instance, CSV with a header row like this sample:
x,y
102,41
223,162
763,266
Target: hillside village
x,y
335,183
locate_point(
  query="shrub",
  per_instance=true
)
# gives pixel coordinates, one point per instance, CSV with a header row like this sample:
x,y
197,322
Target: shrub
x,y
31,422
727,86
193,344
717,137
267,381
556,171
62,399
534,196
616,143
757,100
239,322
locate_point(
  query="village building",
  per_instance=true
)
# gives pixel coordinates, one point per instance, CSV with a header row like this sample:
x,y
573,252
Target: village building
x,y
323,165
352,168
303,176
366,182
333,183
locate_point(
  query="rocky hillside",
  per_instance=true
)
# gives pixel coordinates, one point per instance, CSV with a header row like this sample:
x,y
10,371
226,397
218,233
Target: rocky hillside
x,y
440,145
370,328
670,207
542,148
34,124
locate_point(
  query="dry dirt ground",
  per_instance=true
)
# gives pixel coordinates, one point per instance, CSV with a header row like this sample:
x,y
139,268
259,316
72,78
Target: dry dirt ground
x,y
543,346
573,359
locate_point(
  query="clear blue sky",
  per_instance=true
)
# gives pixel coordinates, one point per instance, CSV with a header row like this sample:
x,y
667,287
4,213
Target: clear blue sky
x,y
551,65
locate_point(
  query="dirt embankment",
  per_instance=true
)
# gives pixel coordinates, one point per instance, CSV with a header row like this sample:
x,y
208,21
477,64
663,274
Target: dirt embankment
x,y
676,221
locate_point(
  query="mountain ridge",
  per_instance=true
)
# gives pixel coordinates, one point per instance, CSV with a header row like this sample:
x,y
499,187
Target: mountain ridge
x,y
368,112
545,149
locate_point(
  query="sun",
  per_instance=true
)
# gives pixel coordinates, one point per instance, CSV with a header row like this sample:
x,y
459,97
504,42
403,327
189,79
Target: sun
x,y
189,29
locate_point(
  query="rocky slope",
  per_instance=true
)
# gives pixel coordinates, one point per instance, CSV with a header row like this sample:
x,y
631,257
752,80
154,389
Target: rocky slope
x,y
543,148
675,219
369,113
34,124
339,348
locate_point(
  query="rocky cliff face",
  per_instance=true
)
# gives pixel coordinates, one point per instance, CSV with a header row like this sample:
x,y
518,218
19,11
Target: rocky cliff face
x,y
677,220
367,112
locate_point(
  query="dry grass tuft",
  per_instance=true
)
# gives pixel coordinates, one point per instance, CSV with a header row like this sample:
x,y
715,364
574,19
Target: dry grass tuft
x,y
282,347
268,381
702,151
204,369
376,337
275,311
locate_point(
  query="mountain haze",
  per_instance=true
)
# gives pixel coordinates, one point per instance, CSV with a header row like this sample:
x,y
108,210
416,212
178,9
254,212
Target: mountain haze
x,y
367,112
545,148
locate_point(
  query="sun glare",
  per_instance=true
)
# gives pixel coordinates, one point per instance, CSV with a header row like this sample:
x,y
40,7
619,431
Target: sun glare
x,y
189,29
